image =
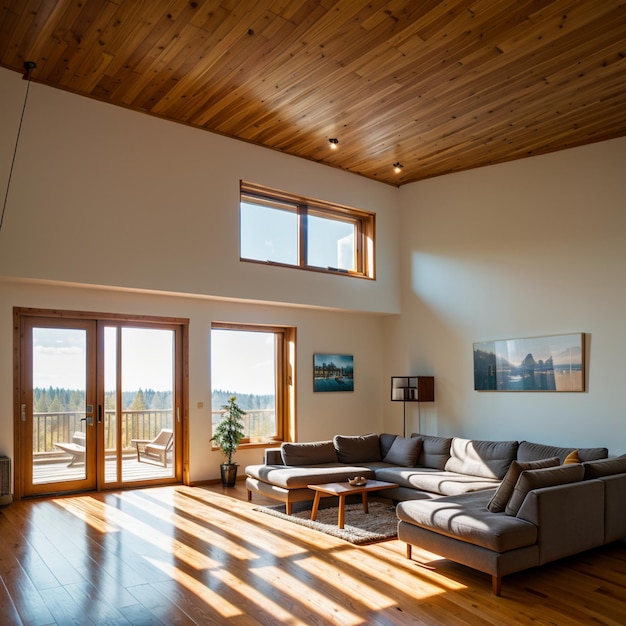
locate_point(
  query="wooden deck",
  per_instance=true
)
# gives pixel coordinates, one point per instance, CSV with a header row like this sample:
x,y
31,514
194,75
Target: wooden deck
x,y
132,470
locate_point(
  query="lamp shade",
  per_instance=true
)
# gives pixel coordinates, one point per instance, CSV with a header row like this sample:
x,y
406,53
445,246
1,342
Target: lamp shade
x,y
413,388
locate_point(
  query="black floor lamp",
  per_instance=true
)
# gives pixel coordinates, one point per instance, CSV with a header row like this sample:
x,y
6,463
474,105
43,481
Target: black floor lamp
x,y
412,389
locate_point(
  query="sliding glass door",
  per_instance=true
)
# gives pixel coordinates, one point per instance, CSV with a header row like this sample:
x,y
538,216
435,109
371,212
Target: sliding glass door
x,y
100,402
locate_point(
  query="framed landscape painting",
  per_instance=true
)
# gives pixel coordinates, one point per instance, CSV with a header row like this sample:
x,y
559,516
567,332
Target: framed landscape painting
x,y
333,372
554,363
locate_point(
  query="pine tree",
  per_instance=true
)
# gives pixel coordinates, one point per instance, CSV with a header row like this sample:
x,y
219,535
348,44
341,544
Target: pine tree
x,y
41,404
55,405
138,403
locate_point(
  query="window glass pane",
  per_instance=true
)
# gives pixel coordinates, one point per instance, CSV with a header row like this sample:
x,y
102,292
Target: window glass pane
x,y
331,243
269,233
243,364
147,377
59,373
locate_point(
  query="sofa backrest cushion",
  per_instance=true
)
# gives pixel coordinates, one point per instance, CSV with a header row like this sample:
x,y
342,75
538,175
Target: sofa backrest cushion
x,y
529,451
310,453
546,477
489,459
435,451
404,451
605,467
503,494
357,448
385,440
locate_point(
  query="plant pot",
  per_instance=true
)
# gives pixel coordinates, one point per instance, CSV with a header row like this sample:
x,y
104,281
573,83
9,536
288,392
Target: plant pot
x,y
229,474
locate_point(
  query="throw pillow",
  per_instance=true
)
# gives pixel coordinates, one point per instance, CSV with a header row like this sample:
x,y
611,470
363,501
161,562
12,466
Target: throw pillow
x,y
404,451
503,494
572,457
546,477
605,467
357,449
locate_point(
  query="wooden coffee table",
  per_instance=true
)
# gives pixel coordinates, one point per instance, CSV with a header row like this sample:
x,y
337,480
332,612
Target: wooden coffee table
x,y
345,489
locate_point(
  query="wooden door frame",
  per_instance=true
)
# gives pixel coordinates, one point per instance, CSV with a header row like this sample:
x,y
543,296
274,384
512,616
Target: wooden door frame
x,y
19,313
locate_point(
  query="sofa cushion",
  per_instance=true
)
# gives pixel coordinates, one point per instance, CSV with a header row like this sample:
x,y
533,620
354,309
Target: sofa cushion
x,y
489,459
605,467
467,518
404,451
546,477
298,477
435,451
357,448
386,440
311,453
434,481
504,492
529,451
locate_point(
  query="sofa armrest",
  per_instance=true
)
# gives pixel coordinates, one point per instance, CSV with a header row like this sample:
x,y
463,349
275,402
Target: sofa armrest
x,y
272,456
569,518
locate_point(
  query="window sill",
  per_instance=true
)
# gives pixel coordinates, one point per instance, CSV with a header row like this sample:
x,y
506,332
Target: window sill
x,y
254,444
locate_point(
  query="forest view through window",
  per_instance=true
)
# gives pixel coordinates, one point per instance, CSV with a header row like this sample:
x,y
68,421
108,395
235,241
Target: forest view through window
x,y
248,362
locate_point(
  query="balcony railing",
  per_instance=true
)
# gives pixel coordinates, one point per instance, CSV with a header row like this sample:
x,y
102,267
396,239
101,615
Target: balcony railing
x,y
59,427
258,423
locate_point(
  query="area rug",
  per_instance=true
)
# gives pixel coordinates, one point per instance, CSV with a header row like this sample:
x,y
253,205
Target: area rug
x,y
380,524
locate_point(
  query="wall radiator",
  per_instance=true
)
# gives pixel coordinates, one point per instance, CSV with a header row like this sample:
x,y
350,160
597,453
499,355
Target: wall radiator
x,y
5,480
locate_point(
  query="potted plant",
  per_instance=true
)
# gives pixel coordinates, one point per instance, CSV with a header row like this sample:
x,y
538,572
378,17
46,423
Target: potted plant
x,y
227,436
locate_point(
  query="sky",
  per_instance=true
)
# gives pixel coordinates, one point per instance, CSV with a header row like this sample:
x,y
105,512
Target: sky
x,y
241,361
559,347
59,358
271,234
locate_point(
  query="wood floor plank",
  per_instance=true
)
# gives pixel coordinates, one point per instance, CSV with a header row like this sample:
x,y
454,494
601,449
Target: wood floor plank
x,y
158,603
9,612
64,607
203,555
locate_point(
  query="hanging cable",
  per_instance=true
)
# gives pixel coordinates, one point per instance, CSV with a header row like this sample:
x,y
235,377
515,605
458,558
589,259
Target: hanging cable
x,y
28,67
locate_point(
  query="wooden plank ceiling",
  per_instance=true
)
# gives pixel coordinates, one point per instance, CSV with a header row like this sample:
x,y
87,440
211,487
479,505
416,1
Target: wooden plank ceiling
x,y
436,86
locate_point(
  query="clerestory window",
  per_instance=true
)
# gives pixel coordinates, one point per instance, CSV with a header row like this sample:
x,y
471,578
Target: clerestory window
x,y
283,229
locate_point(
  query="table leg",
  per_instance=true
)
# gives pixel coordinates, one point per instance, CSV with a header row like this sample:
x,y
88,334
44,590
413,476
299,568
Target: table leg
x,y
342,510
365,502
316,503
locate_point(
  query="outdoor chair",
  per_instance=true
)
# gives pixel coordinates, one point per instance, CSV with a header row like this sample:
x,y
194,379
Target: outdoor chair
x,y
76,449
155,450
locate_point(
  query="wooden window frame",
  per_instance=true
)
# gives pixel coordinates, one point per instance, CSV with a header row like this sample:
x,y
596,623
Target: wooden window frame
x,y
364,223
285,380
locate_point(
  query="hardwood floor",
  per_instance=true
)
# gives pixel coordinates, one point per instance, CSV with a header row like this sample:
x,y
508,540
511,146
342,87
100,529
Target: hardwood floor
x,y
183,555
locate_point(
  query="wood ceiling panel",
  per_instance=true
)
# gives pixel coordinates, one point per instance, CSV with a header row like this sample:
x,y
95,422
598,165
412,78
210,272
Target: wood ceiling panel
x,y
438,86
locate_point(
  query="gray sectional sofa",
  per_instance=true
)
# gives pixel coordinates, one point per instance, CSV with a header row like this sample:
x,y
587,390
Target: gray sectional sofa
x,y
496,506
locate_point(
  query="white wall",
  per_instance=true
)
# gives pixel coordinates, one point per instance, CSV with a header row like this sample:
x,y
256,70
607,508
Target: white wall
x,y
106,196
319,415
528,248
